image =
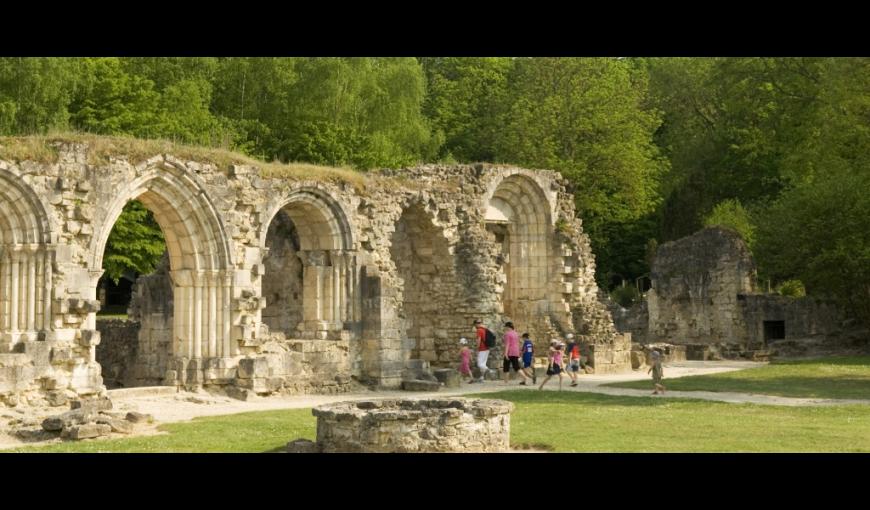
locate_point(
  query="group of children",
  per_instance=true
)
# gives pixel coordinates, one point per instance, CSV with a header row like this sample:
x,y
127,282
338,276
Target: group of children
x,y
560,358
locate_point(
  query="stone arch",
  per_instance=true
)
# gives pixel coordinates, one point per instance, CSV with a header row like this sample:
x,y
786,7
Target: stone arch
x,y
313,283
25,262
519,214
200,261
195,237
432,301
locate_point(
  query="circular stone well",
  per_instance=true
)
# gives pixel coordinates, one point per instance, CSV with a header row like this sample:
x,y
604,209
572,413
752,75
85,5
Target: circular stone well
x,y
410,425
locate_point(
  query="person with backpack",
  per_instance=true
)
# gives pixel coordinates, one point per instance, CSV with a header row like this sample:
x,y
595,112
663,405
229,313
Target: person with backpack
x,y
485,341
511,352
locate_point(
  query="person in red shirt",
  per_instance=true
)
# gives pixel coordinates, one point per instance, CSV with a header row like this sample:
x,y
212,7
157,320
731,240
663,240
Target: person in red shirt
x,y
482,349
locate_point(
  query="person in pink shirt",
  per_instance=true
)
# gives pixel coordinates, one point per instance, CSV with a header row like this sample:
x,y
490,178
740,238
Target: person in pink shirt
x,y
555,367
465,364
511,352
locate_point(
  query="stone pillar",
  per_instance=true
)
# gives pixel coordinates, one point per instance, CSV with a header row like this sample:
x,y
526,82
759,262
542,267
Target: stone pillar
x,y
212,280
337,270
31,287
5,291
15,286
197,314
314,305
350,287
229,348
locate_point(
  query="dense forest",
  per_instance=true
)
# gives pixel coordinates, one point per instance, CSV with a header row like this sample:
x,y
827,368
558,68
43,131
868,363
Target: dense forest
x,y
775,148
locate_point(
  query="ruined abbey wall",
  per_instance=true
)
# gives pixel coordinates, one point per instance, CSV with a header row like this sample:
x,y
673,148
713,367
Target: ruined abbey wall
x,y
287,284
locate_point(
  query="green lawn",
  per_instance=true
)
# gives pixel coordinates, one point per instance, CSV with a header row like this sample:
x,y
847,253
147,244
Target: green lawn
x,y
261,431
563,422
845,377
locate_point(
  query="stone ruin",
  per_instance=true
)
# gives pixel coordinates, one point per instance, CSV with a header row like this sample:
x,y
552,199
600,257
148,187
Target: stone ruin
x,y
704,304
410,426
281,283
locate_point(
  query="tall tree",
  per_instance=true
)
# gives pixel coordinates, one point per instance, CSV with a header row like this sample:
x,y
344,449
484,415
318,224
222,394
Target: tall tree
x,y
466,101
589,119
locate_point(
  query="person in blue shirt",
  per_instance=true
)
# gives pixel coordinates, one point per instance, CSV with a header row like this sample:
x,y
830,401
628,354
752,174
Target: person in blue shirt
x,y
528,351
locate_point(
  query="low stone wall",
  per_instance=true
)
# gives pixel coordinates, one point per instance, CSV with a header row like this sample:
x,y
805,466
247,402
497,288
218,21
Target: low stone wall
x,y
406,426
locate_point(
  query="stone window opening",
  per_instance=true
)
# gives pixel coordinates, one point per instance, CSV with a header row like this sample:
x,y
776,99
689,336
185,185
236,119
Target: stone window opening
x,y
774,330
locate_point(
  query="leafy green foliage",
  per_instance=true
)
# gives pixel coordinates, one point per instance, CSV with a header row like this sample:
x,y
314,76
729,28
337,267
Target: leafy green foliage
x,y
776,148
731,214
625,295
135,243
791,288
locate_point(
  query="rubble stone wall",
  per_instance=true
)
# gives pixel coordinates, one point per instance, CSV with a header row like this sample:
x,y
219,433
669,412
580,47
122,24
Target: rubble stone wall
x,y
492,242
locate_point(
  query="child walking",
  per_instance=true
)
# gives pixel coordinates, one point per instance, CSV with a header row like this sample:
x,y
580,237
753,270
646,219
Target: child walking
x,y
528,360
657,372
555,368
572,364
465,363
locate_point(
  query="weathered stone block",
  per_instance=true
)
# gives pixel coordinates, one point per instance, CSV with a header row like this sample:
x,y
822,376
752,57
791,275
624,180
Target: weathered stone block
x,y
86,431
448,377
92,404
136,417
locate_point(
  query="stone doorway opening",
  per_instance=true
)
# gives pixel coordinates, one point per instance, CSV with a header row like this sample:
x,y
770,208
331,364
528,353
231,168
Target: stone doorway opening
x,y
774,330
183,308
432,298
134,261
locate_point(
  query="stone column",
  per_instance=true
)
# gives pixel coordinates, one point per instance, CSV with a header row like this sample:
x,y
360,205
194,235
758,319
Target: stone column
x,y
349,283
337,267
212,281
229,348
197,314
31,287
314,304
15,285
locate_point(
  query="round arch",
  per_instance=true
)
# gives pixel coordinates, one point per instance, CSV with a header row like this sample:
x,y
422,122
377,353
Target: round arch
x,y
200,258
25,262
310,282
519,213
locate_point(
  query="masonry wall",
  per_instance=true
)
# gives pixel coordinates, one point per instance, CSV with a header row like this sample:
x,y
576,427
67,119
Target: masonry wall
x,y
703,296
228,294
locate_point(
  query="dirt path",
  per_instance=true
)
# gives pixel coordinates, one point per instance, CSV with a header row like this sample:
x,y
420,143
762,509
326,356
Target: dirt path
x,y
168,406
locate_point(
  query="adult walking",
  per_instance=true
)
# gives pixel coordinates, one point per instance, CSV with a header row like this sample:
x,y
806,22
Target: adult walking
x,y
511,352
485,340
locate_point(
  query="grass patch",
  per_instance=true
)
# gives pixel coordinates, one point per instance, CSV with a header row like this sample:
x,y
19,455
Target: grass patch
x,y
42,149
588,422
262,431
836,377
554,421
